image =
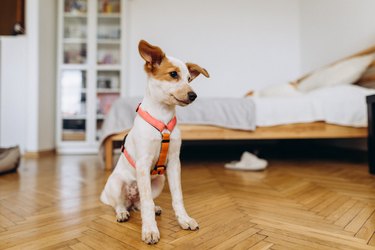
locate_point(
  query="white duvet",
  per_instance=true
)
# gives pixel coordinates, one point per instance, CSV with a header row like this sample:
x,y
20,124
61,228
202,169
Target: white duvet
x,y
341,105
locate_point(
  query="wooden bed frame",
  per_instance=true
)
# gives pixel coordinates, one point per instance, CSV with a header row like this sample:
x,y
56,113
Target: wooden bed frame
x,y
316,130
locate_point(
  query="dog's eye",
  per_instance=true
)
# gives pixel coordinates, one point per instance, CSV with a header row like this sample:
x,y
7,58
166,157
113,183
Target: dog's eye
x,y
189,79
173,74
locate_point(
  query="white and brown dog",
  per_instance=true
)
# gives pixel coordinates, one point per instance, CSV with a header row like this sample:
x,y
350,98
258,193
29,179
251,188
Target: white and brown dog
x,y
135,182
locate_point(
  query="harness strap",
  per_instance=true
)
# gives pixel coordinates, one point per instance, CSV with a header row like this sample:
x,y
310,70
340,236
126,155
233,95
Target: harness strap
x,y
125,152
128,157
160,166
159,125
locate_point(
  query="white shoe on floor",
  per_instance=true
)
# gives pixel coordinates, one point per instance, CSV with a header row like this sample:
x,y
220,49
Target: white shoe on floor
x,y
248,162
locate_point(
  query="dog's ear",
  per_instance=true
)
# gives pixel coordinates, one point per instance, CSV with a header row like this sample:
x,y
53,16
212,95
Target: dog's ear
x,y
195,70
153,55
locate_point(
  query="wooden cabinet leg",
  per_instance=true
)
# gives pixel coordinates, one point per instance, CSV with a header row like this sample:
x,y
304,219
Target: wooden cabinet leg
x,y
371,133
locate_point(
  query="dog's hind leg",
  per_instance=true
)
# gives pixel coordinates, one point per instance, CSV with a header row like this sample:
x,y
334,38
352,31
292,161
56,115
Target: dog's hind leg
x,y
114,194
157,185
137,207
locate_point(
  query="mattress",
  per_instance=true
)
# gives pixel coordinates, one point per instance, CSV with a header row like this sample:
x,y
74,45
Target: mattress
x,y
340,105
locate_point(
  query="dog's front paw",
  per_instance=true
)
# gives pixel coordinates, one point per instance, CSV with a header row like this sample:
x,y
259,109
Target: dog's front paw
x,y
188,223
150,234
122,216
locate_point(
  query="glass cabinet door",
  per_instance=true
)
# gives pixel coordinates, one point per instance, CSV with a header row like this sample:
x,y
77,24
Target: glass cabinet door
x,y
75,32
108,58
73,105
109,32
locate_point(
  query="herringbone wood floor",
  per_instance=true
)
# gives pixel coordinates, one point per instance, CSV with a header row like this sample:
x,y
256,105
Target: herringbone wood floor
x,y
52,203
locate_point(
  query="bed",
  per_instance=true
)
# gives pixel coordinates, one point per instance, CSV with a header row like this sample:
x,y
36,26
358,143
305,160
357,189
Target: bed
x,y
274,118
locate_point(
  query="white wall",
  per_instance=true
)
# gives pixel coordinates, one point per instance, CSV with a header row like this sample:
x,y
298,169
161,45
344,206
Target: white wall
x,y
13,77
333,29
244,44
29,81
41,83
47,73
32,84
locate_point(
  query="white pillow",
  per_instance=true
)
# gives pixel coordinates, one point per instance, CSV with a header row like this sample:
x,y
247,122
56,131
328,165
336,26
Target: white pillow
x,y
281,90
341,73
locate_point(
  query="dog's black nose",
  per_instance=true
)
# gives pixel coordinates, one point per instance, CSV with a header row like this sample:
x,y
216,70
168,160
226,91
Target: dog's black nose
x,y
192,96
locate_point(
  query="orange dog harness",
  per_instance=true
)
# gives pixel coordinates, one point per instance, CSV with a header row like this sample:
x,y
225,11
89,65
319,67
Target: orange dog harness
x,y
165,131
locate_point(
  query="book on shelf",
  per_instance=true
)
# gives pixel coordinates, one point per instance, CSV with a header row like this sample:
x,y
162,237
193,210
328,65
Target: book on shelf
x,y
75,6
109,6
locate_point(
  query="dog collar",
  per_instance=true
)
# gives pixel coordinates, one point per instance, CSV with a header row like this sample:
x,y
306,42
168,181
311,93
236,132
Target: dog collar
x,y
165,131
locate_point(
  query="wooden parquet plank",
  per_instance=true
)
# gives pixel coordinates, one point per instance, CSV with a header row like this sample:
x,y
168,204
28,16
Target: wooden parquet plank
x,y
368,229
62,245
340,211
229,244
285,244
350,214
99,241
334,206
50,240
80,246
319,225
25,233
317,200
358,221
9,214
5,222
121,233
207,226
328,200
371,242
250,242
262,245
327,237
305,242
225,229
314,195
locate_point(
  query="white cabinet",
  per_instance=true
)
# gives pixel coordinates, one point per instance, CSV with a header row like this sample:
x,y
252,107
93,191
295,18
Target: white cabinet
x,y
91,57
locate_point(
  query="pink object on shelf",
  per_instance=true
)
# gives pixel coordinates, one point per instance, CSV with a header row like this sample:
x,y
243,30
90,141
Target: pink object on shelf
x,y
105,102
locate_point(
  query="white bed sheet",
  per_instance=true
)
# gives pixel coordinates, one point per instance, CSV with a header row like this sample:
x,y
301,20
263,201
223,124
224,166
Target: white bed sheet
x,y
340,105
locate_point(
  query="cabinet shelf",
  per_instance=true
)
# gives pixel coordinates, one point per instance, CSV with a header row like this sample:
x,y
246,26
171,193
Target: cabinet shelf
x,y
75,40
74,117
74,66
75,15
109,15
108,67
107,91
109,41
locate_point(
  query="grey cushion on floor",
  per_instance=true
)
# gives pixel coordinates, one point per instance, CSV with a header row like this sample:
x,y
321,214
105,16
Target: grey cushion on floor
x,y
9,159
